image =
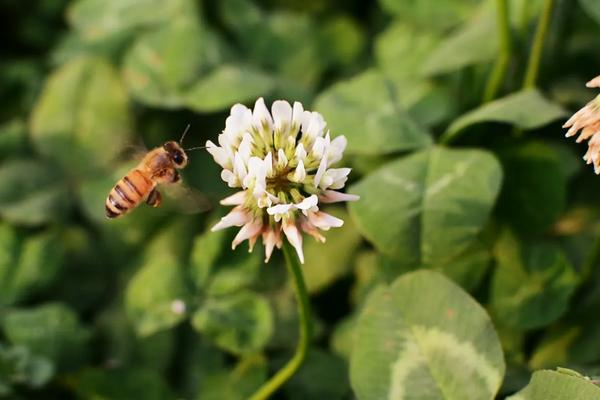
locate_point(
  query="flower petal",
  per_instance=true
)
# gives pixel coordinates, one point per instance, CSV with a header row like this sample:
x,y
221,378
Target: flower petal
x,y
271,238
331,196
236,217
219,154
594,83
248,231
294,237
308,203
299,174
282,121
235,199
324,221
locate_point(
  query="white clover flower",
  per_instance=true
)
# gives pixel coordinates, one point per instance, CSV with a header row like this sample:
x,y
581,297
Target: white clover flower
x,y
282,162
587,120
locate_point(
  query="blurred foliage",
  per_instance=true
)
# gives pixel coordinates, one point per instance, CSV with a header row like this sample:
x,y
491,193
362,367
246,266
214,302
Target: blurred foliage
x,y
469,263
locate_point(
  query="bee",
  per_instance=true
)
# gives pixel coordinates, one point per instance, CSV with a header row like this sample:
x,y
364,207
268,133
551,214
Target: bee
x,y
159,166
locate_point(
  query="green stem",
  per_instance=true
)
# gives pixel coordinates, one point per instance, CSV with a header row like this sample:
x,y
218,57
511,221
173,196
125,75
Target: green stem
x,y
505,50
524,18
285,373
533,65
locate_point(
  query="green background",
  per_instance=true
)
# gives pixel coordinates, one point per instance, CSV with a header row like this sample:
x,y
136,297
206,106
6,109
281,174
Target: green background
x,y
470,261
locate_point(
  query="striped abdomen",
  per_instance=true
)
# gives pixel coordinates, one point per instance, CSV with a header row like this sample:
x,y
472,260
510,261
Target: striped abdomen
x,y
128,193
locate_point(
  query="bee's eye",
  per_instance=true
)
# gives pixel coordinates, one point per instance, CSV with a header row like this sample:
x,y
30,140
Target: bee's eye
x,y
178,158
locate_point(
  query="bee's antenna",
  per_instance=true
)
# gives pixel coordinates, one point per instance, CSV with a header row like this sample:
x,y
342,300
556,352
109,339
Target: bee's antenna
x,y
187,128
196,148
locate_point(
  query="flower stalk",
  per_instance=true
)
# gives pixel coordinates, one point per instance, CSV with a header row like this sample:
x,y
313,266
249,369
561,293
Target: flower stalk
x,y
305,321
501,64
535,57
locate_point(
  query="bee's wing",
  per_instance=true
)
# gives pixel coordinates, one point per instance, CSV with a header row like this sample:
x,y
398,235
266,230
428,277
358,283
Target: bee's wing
x,y
185,199
135,150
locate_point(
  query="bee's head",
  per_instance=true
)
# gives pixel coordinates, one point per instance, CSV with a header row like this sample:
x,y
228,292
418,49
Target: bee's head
x,y
176,153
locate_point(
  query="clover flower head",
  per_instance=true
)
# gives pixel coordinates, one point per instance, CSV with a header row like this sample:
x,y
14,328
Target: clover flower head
x,y
282,162
587,122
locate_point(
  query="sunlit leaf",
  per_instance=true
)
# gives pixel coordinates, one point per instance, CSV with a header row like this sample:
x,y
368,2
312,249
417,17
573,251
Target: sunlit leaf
x,y
558,385
81,119
239,323
426,208
227,85
424,337
532,285
372,124
162,64
99,19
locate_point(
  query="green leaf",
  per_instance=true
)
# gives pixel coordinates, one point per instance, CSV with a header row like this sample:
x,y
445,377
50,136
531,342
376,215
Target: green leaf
x,y
574,344
372,124
99,19
534,194
239,383
474,43
426,208
122,384
343,38
38,263
321,376
226,85
467,268
81,119
326,264
342,338
430,14
532,285
526,110
51,330
557,385
162,64
219,271
157,295
13,138
285,42
19,367
240,323
32,192
423,337
400,51
400,54
592,8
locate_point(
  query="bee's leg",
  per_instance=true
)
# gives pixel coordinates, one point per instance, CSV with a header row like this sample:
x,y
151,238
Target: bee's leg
x,y
154,198
176,177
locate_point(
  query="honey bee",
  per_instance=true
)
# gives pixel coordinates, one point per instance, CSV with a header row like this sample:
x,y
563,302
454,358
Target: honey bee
x,y
159,166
